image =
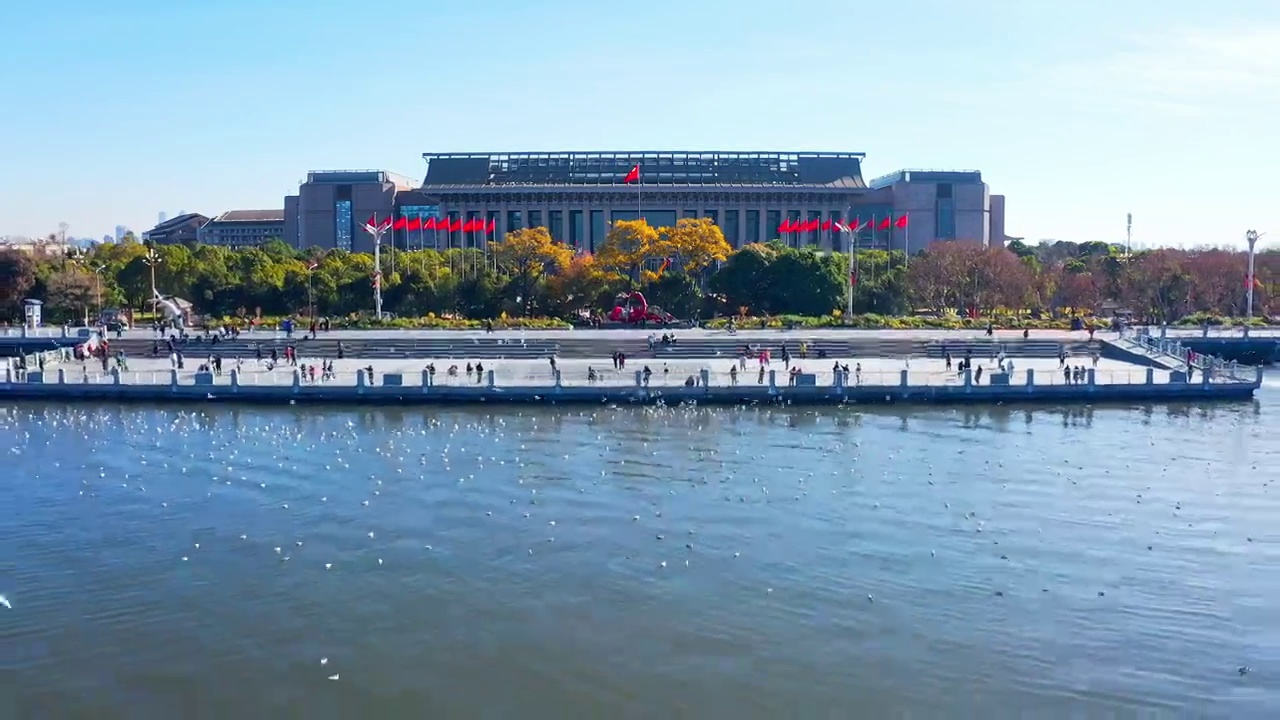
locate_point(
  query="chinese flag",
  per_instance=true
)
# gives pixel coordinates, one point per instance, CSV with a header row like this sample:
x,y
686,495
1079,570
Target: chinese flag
x,y
785,227
400,224
415,223
885,224
456,226
901,222
633,176
826,224
429,224
814,224
372,221
492,226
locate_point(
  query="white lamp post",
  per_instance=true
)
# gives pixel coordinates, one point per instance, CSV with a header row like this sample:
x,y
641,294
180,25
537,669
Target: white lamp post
x,y
377,231
1251,237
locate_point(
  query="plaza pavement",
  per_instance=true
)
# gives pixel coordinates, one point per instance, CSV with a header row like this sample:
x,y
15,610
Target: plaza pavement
x,y
536,373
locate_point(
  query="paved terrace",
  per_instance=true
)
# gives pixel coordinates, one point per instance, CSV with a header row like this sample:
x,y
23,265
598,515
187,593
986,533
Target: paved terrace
x,y
674,373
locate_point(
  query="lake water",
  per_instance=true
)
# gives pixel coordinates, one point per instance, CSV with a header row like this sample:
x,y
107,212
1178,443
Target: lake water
x,y
636,563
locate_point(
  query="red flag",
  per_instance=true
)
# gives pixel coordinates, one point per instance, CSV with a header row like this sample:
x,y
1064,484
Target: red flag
x,y
415,223
386,222
812,225
468,226
429,223
492,226
826,225
456,225
400,224
856,225
885,224
785,227
901,223
372,221
633,176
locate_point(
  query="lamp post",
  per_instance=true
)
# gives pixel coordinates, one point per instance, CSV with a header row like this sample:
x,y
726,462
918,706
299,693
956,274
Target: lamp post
x,y
152,258
377,231
311,303
1251,237
97,287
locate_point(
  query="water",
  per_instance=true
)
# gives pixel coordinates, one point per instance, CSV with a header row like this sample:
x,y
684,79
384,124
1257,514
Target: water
x,y
994,562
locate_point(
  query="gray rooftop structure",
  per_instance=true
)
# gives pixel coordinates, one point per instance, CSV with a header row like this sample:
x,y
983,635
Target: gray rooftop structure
x,y
799,170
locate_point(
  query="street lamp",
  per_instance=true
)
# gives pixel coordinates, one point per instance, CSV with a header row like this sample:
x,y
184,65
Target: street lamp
x,y
97,286
152,258
1251,237
311,303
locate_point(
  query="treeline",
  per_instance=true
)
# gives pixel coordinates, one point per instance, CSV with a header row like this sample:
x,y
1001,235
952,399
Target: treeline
x,y
689,270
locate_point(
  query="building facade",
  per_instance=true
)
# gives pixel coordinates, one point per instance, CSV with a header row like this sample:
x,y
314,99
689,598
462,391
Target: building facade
x,y
753,197
183,228
244,228
331,207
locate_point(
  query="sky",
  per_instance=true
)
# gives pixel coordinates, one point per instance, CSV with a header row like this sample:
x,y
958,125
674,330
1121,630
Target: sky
x,y
1078,112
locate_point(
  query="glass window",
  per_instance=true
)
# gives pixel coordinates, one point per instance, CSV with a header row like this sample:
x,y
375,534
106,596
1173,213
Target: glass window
x,y
837,237
535,218
555,224
814,237
689,213
773,220
597,229
715,216
342,231
655,218
946,219
731,227
753,226
514,220
451,238
576,238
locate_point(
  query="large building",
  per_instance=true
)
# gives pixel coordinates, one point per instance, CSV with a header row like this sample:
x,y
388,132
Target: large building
x,y
577,195
243,228
184,228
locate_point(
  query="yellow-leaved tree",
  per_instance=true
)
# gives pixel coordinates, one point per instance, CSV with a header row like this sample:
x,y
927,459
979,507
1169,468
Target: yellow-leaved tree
x,y
527,256
627,247
693,244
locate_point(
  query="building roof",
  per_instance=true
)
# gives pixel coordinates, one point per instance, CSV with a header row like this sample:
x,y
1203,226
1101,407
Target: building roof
x,y
179,221
250,216
958,177
663,168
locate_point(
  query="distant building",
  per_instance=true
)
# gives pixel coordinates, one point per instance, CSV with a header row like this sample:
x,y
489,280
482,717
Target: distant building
x,y
175,230
163,216
107,239
577,196
244,228
331,207
121,231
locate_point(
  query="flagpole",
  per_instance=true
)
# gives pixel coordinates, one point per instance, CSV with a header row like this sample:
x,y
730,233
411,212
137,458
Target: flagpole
x,y
853,239
906,239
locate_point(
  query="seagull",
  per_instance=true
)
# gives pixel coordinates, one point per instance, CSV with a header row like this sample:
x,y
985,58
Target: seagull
x,y
5,602
324,661
333,676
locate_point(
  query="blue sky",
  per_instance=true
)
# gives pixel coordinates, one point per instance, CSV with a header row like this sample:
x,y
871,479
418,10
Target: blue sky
x,y
1079,112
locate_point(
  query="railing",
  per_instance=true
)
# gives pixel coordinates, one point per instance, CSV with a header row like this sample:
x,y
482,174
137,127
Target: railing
x,y
253,376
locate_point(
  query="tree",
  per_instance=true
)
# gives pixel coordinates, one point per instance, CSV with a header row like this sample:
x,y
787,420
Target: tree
x,y
693,244
582,287
628,247
527,256
1157,283
69,293
17,276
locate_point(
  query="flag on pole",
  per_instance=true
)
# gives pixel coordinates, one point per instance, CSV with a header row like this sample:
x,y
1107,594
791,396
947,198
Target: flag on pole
x,y
414,223
400,224
886,223
372,221
492,226
633,176
901,222
429,224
